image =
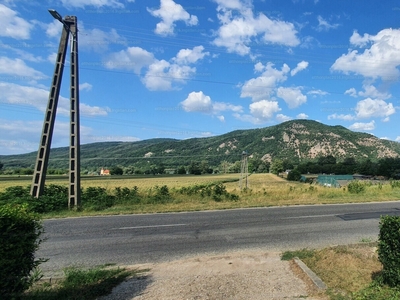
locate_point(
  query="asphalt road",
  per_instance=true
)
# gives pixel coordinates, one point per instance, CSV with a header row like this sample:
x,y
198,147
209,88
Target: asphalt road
x,y
133,239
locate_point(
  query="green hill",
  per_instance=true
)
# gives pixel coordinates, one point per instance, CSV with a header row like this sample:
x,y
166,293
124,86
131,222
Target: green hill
x,y
297,140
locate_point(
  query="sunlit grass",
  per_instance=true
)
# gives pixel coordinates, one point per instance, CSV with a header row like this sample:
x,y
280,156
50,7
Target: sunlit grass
x,y
263,190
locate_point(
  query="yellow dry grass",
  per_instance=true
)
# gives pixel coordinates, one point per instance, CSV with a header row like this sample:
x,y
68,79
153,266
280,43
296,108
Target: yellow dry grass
x,y
346,269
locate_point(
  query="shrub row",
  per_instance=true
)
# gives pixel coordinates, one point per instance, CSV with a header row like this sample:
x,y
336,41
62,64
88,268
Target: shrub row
x,y
55,197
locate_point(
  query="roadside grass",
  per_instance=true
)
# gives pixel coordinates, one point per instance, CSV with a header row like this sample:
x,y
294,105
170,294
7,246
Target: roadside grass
x,y
264,190
351,272
81,284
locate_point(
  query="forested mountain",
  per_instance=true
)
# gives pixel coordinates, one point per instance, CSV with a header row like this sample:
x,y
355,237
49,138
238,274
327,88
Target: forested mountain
x,y
296,141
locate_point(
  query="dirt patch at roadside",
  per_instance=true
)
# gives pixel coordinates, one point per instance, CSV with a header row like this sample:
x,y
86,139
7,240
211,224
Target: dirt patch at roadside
x,y
238,275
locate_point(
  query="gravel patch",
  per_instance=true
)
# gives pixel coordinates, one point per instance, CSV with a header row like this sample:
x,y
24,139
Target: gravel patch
x,y
246,275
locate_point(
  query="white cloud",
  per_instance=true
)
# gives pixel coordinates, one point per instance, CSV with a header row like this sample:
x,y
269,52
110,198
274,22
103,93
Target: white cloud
x,y
317,93
372,92
369,108
85,86
357,40
341,117
54,28
292,96
382,59
369,91
171,12
190,56
99,40
363,126
17,68
95,3
22,136
221,118
300,66
302,116
133,58
352,92
282,118
36,97
239,27
263,86
13,26
160,75
199,102
264,110
323,25
397,139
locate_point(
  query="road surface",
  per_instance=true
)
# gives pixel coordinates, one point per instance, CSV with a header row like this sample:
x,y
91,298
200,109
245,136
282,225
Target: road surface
x,y
133,239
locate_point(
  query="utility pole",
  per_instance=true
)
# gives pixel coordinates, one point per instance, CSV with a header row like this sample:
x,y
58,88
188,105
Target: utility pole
x,y
42,159
244,171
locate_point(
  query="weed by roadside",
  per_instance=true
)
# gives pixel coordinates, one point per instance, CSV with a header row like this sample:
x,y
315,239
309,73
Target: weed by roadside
x,y
81,284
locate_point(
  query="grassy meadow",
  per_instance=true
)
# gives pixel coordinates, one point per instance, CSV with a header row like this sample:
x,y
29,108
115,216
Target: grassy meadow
x,y
263,190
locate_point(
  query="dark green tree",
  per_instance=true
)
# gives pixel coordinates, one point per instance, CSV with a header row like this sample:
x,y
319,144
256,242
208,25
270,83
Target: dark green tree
x,y
181,170
276,166
294,175
195,168
116,170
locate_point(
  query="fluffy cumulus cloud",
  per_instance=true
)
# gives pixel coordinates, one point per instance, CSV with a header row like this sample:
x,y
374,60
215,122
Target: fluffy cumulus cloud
x,y
199,102
263,86
363,126
159,74
169,13
380,58
264,110
13,26
369,91
283,118
240,26
133,58
292,96
369,108
302,116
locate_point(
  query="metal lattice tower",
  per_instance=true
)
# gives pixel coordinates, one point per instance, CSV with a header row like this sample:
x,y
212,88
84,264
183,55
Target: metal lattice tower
x,y
39,175
244,171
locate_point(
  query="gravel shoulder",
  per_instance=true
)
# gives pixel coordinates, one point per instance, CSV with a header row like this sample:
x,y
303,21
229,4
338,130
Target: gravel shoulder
x,y
234,275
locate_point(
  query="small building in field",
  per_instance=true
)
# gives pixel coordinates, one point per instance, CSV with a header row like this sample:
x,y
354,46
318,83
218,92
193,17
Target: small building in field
x,y
104,172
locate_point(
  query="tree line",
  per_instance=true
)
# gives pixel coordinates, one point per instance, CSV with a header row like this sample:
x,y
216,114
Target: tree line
x,y
387,167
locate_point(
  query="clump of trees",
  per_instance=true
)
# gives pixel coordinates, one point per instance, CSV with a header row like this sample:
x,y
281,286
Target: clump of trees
x,y
386,167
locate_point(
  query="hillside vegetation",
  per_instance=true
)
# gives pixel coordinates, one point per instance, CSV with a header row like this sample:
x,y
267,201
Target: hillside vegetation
x,y
297,141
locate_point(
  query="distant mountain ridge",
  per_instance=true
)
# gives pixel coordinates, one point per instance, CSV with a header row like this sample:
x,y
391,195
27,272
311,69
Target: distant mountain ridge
x,y
296,140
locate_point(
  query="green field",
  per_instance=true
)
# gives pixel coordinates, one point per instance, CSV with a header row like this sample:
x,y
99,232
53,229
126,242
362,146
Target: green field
x,y
263,190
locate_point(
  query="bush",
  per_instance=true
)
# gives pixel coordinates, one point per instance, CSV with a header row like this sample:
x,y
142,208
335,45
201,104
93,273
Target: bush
x,y
294,175
96,198
389,249
20,232
356,187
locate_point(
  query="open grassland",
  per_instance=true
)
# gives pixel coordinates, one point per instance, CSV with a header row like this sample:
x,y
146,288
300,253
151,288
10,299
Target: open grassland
x,y
169,193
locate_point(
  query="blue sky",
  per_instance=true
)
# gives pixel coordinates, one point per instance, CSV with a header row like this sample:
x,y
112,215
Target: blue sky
x,y
183,69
